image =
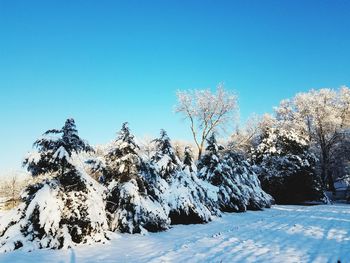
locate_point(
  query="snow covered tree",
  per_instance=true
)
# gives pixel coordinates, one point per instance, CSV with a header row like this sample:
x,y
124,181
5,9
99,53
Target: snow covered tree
x,y
63,209
122,159
54,150
246,137
206,111
286,167
130,208
210,165
239,187
146,147
324,117
245,179
11,186
188,162
186,198
97,168
165,158
56,216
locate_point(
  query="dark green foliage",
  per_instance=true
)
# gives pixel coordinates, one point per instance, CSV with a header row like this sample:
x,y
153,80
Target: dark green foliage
x,y
122,161
71,180
165,159
188,159
211,163
239,187
129,205
54,150
180,217
286,167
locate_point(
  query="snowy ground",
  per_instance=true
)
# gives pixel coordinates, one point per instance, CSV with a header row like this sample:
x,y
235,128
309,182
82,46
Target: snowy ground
x,y
280,234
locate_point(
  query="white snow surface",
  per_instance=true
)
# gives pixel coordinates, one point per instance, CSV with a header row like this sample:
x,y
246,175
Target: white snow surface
x,y
280,234
54,206
61,153
144,209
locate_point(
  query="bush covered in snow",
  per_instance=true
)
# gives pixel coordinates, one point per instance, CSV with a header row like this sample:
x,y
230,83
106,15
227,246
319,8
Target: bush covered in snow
x,y
286,167
239,187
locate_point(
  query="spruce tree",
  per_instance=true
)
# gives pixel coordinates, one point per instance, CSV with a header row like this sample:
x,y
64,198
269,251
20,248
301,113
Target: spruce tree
x,y
130,207
165,158
187,199
54,150
286,167
244,182
122,160
239,188
188,162
64,209
210,164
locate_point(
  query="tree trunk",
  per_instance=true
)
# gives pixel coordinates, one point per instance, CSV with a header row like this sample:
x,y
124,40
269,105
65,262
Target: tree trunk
x,y
199,153
62,168
331,182
326,175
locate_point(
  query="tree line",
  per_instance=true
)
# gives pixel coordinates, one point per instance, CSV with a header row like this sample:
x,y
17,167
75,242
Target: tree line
x,y
80,192
131,193
319,118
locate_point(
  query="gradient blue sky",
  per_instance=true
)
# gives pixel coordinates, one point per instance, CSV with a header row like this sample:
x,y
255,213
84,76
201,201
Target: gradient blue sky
x,y
106,62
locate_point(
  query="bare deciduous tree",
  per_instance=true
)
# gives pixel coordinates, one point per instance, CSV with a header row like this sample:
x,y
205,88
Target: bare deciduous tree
x,y
11,187
180,146
147,147
247,136
206,111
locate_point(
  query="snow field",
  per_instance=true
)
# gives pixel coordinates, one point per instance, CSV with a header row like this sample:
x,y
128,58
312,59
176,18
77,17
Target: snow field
x,y
280,234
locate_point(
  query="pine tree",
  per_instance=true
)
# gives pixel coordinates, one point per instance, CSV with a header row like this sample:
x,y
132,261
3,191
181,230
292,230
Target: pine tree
x,y
239,188
286,167
210,164
165,158
122,159
54,150
130,207
187,199
64,209
244,182
188,160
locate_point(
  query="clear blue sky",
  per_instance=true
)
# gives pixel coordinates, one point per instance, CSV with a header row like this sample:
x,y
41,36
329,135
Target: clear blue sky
x,y
106,62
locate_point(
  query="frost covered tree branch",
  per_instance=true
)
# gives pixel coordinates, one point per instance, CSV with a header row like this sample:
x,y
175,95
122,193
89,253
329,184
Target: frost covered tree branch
x,y
206,112
324,117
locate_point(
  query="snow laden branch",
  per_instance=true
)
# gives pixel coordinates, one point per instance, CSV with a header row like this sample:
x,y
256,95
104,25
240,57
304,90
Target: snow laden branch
x,y
206,111
324,117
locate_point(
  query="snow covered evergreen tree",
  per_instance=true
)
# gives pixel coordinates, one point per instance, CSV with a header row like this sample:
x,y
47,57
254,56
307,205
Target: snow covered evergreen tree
x,y
64,209
247,182
324,117
210,165
165,159
239,187
130,208
54,150
188,160
187,199
286,167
